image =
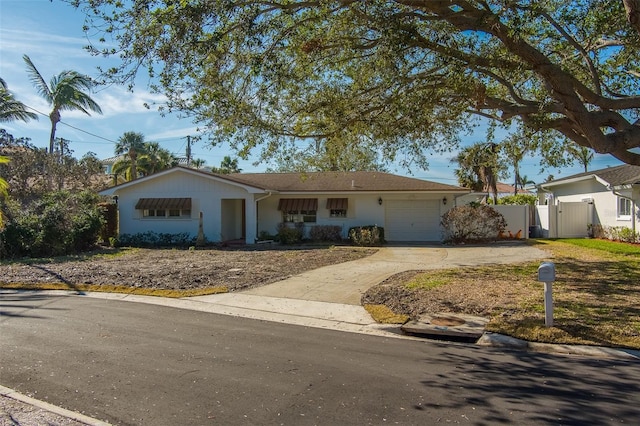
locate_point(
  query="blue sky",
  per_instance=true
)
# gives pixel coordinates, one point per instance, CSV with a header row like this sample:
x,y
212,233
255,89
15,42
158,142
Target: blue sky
x,y
51,34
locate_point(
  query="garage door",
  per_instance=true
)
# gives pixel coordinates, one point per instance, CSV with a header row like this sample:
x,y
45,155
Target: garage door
x,y
412,220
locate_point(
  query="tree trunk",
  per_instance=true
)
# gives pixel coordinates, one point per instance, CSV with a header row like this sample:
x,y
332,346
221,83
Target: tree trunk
x,y
55,119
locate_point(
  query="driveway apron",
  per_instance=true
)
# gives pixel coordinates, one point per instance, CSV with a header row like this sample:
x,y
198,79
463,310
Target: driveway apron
x,y
346,282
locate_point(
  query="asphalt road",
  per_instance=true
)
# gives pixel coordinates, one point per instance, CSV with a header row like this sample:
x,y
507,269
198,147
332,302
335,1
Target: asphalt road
x,y
131,363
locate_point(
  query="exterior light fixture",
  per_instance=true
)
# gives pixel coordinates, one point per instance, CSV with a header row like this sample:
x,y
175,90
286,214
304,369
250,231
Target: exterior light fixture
x,y
380,200
115,199
444,201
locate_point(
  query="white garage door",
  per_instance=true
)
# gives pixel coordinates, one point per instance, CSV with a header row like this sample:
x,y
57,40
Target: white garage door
x,y
412,220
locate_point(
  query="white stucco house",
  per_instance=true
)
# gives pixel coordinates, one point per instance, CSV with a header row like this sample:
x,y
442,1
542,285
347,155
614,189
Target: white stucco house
x,y
240,206
608,197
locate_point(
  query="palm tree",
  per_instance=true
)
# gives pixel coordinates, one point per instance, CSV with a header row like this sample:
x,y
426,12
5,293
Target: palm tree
x,y
524,180
12,109
583,155
132,145
479,168
198,163
63,93
155,159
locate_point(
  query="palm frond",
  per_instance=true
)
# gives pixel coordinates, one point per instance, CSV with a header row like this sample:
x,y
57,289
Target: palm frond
x,y
38,82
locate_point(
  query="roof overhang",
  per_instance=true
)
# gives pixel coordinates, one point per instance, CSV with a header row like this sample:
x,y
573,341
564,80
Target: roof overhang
x,y
115,189
545,186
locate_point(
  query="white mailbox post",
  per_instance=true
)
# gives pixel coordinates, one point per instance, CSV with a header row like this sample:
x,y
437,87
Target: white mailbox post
x,y
547,275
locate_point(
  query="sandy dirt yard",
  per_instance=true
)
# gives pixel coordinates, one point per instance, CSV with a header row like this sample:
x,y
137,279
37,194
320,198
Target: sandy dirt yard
x,y
172,269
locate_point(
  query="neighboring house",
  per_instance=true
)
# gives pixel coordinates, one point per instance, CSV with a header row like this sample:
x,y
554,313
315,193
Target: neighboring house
x,y
504,190
242,205
608,197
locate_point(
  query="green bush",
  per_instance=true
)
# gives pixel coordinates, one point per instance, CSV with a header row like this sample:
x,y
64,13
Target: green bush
x,y
326,233
519,199
289,235
154,239
59,223
370,235
472,223
615,233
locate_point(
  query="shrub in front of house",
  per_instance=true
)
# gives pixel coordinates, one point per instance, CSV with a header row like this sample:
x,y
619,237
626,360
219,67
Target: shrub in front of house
x,y
290,235
519,200
615,233
370,235
331,233
59,223
472,224
152,239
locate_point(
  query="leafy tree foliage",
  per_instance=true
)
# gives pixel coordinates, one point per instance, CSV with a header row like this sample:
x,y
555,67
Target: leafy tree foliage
x,y
332,154
519,199
65,92
407,74
227,166
56,224
26,170
12,109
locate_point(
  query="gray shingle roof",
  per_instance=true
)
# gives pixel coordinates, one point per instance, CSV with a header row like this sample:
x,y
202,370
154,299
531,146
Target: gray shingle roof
x,y
620,175
338,182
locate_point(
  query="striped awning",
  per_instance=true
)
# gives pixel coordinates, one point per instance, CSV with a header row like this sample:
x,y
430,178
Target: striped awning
x,y
298,204
337,203
164,203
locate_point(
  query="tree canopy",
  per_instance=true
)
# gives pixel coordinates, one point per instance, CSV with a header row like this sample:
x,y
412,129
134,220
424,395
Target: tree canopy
x,y
409,74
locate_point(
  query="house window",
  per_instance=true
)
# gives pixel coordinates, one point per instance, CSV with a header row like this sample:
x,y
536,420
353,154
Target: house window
x,y
165,207
175,213
306,216
337,207
624,208
298,209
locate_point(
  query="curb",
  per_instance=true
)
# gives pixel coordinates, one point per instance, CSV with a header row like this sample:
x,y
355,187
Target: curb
x,y
10,393
501,341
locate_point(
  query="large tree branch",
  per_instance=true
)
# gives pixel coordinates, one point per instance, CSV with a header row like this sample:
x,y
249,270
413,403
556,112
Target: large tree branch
x,y
632,8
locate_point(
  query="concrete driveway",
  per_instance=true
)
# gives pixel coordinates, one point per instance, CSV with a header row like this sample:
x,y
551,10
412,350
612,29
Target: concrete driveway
x,y
346,282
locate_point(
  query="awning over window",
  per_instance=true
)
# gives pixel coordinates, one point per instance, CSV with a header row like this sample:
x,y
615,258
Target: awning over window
x,y
337,203
164,203
298,204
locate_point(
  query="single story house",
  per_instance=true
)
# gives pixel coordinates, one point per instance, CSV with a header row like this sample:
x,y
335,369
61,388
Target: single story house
x,y
609,197
242,205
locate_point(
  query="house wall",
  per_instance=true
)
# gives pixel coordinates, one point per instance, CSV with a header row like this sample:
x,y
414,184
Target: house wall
x,y
604,201
206,196
363,209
